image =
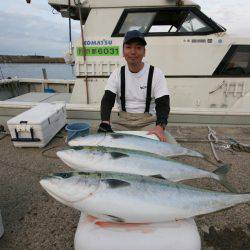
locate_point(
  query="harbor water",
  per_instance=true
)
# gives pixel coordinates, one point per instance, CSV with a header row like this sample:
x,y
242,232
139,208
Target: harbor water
x,y
34,70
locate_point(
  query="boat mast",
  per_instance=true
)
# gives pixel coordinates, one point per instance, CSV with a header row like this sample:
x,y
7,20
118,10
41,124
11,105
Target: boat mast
x,y
83,46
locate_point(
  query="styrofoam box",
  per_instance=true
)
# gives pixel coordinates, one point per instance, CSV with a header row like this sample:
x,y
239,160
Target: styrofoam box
x,y
92,234
38,125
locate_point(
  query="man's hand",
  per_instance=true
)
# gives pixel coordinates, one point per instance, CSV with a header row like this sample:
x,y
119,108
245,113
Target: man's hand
x,y
104,127
159,132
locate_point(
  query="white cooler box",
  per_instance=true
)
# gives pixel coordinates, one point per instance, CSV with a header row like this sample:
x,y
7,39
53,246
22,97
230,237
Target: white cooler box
x,y
38,125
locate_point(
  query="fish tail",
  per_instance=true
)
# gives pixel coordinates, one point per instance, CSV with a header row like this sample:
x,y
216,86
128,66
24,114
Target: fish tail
x,y
221,172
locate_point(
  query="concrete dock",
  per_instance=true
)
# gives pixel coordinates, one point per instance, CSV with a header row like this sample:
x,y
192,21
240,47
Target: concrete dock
x,y
34,220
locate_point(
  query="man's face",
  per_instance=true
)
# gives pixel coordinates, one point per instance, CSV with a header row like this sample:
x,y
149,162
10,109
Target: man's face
x,y
133,53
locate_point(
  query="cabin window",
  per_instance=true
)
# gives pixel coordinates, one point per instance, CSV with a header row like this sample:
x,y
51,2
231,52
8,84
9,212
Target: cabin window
x,y
236,62
137,21
172,21
166,21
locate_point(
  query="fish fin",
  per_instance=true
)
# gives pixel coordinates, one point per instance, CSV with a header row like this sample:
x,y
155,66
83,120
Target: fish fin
x,y
116,136
113,183
114,218
221,172
194,153
158,176
117,155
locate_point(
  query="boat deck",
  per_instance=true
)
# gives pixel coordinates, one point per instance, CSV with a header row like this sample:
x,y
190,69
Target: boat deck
x,y
34,220
78,112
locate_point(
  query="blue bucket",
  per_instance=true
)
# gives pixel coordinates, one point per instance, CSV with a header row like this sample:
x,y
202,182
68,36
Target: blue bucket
x,y
77,129
49,90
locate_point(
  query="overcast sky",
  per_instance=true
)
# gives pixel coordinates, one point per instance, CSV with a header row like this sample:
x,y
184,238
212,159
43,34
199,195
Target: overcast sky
x,y
28,29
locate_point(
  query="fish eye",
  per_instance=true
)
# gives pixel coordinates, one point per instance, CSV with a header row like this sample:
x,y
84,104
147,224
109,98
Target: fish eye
x,y
65,175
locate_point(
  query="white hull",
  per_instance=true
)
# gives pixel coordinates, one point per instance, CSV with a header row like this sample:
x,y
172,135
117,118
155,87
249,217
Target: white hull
x,y
91,113
197,93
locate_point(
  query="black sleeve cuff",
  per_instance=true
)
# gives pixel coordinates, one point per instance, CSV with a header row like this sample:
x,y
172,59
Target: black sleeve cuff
x,y
162,108
107,104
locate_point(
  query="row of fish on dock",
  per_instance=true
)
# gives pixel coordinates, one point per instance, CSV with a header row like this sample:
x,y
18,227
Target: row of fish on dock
x,y
132,179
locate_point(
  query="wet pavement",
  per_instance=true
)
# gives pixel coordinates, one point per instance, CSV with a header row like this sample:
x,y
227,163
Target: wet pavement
x,y
34,220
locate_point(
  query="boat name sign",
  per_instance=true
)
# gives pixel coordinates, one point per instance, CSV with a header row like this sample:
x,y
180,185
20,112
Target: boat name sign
x,y
98,51
203,41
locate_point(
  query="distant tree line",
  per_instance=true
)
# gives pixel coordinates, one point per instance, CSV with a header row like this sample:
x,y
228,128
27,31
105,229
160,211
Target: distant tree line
x,y
30,59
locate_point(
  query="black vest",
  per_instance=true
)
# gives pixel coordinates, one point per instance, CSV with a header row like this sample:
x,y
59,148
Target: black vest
x,y
149,87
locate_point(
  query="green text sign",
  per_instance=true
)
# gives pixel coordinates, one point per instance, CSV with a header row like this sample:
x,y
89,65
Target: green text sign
x,y
98,51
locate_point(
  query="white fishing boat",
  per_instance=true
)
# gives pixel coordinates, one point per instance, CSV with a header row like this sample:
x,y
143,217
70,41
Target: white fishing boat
x,y
207,69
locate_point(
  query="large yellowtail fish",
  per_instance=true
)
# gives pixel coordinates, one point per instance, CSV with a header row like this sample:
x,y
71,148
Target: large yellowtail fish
x,y
134,198
133,142
94,158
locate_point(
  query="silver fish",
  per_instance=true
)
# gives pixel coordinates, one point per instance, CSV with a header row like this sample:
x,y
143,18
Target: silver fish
x,y
134,198
93,158
133,142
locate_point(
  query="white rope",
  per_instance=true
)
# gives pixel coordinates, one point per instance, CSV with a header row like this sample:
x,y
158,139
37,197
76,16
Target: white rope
x,y
213,139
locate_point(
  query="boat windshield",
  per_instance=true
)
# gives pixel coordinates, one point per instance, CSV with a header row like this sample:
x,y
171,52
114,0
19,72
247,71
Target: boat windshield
x,y
194,24
169,21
